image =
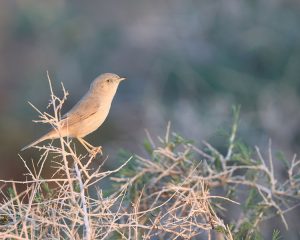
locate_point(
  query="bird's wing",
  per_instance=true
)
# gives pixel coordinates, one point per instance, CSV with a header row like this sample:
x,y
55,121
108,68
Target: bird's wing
x,y
82,110
76,117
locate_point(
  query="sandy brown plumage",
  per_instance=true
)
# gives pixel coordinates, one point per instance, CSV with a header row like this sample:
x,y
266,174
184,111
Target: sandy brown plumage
x,y
89,113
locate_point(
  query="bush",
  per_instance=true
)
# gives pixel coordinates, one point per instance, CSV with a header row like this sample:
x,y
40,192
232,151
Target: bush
x,y
179,191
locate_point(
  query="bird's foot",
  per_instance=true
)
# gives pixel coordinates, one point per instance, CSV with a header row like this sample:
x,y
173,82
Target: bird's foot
x,y
95,150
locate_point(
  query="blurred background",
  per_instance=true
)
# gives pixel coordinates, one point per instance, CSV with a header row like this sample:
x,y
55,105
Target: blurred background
x,y
185,61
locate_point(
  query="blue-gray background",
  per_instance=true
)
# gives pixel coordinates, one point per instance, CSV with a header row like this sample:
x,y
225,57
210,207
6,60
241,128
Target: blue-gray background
x,y
185,61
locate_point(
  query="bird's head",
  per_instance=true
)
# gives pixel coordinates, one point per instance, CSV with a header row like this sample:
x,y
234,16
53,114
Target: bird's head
x,y
106,83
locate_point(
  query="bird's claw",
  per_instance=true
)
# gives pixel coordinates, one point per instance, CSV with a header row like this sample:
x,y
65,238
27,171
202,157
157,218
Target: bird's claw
x,y
94,151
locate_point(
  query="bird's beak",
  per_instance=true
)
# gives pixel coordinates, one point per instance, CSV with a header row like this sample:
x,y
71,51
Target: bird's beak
x,y
121,79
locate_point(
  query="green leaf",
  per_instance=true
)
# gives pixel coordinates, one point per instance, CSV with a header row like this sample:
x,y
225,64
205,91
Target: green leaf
x,y
252,199
276,235
148,147
76,187
218,164
280,156
47,189
248,232
11,192
38,197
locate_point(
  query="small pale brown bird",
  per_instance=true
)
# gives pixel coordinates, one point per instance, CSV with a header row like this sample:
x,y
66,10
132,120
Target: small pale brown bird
x,y
88,114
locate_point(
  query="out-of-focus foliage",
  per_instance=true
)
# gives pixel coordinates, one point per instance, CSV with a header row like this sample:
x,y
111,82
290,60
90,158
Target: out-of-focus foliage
x,y
176,191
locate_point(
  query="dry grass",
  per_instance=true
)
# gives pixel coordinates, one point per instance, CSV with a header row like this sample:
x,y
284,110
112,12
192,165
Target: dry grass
x,y
167,195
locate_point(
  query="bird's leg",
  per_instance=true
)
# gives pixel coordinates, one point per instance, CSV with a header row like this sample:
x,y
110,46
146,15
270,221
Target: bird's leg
x,y
90,148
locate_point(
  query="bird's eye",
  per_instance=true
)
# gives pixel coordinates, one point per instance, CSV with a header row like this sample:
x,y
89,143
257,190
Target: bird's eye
x,y
108,80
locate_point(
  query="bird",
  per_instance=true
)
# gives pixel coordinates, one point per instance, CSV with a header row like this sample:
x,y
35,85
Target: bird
x,y
88,114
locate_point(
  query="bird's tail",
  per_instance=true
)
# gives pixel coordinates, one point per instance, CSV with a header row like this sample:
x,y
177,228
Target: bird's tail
x,y
48,135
